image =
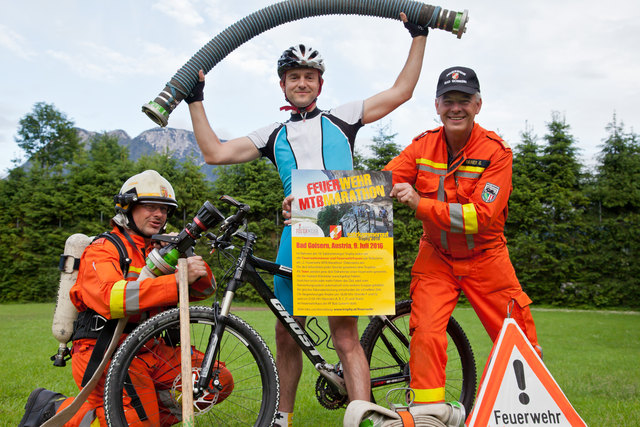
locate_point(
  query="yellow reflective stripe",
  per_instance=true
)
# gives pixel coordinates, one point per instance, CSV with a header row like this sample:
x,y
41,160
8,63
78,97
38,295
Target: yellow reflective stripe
x,y
432,163
136,269
470,219
96,423
429,395
116,303
471,169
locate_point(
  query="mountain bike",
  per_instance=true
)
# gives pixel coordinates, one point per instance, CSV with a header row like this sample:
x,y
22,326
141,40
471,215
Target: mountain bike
x,y
221,340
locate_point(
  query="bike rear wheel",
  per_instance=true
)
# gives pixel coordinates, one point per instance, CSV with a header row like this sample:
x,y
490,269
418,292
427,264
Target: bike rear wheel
x,y
386,346
253,399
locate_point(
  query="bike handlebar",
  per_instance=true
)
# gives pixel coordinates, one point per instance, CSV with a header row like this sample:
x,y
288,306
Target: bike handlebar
x,y
232,223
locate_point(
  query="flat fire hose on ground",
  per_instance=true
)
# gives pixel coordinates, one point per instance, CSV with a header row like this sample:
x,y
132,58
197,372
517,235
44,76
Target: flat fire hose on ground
x,y
362,413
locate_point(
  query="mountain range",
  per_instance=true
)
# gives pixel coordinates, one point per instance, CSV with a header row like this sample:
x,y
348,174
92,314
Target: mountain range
x,y
180,143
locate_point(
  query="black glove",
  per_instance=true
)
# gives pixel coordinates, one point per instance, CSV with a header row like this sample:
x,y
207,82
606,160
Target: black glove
x,y
197,93
416,30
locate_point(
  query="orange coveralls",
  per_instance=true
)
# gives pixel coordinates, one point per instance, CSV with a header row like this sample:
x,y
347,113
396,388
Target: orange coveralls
x,y
463,208
102,287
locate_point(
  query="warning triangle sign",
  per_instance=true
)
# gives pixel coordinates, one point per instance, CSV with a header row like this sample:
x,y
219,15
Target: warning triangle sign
x,y
518,389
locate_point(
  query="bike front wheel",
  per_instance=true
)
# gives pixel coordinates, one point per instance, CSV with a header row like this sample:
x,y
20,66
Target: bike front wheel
x,y
386,345
143,381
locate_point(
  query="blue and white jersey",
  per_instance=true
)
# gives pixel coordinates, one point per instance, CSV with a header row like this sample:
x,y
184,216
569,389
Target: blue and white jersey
x,y
322,140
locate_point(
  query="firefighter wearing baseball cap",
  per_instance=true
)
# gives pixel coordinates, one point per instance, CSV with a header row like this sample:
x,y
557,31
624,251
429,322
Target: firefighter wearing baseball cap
x,y
457,178
105,290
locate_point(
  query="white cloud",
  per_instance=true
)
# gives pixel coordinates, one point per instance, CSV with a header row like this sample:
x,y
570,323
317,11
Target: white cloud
x,y
15,43
99,62
253,59
182,11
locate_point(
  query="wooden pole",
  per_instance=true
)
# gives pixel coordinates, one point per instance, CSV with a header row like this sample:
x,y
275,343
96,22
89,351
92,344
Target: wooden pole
x,y
185,344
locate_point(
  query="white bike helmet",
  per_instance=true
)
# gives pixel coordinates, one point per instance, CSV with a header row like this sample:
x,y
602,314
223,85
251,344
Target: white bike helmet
x,y
300,56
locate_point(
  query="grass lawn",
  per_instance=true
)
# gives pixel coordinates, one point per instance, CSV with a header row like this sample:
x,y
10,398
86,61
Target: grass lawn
x,y
594,357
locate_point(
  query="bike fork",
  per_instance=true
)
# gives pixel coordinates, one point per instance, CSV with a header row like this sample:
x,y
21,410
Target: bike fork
x,y
213,346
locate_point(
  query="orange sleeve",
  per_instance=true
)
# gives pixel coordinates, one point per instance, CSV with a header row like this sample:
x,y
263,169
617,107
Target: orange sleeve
x,y
202,288
102,287
479,210
403,166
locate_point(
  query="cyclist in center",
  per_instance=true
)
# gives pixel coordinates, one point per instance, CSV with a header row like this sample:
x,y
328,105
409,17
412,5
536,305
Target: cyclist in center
x,y
310,139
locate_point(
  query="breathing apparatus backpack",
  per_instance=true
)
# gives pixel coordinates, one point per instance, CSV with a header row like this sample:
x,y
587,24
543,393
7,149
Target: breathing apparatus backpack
x,y
65,316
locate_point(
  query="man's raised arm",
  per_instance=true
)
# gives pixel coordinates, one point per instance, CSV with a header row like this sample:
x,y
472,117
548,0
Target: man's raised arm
x,y
215,152
388,100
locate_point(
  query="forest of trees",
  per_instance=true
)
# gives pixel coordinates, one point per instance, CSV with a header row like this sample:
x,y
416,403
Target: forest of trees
x,y
573,232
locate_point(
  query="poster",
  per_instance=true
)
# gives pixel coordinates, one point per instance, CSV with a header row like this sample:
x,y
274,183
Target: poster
x,y
342,243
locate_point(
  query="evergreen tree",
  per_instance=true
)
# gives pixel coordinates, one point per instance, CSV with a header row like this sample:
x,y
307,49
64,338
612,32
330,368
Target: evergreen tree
x,y
37,205
384,148
95,177
563,203
526,227
14,197
34,236
358,160
618,172
613,268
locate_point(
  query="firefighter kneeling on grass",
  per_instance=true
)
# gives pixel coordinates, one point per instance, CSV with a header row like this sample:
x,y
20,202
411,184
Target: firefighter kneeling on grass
x,y
108,289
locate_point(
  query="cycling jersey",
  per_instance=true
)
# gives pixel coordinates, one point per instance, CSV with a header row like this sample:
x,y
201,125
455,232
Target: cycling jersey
x,y
321,140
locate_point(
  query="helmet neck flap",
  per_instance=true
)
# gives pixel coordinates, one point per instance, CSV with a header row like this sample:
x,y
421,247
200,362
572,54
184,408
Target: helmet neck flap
x,y
146,187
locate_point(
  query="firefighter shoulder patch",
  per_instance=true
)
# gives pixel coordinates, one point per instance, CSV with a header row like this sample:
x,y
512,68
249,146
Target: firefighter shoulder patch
x,y
490,192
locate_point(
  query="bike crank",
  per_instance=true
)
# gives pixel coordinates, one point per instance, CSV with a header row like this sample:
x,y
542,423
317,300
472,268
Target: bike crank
x,y
329,396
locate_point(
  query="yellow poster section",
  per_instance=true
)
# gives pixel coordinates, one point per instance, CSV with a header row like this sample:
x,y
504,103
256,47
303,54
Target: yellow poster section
x,y
343,277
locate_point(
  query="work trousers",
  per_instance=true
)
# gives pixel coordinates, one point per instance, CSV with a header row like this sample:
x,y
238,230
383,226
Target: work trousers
x,y
489,282
153,374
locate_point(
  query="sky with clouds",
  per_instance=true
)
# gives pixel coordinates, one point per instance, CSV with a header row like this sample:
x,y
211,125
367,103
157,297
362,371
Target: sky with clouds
x,y
99,62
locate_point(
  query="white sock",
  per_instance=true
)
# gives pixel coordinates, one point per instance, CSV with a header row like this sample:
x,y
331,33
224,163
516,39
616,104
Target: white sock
x,y
284,419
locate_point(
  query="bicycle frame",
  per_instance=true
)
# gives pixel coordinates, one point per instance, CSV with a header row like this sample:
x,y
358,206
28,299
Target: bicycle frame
x,y
246,272
393,378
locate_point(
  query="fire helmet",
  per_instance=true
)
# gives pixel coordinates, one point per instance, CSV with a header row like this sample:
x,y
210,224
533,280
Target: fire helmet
x,y
300,56
146,187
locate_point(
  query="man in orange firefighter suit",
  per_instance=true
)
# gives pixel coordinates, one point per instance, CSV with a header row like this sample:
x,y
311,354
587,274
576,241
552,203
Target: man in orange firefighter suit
x,y
103,291
458,180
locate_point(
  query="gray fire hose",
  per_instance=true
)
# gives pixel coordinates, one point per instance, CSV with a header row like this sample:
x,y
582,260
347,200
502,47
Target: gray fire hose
x,y
181,84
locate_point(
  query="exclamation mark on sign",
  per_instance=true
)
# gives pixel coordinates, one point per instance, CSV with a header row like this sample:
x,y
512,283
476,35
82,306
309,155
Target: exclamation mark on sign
x,y
519,368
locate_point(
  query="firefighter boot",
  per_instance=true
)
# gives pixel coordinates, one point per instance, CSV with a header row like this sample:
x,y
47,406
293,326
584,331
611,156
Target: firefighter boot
x,y
41,405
